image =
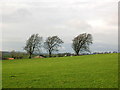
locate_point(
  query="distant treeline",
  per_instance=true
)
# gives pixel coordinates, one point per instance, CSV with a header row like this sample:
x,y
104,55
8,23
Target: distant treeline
x,y
22,55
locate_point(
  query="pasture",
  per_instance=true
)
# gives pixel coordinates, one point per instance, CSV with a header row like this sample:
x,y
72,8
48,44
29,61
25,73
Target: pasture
x,y
88,71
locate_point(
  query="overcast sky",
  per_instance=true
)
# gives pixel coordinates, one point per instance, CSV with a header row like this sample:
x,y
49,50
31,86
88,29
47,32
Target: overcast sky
x,y
65,18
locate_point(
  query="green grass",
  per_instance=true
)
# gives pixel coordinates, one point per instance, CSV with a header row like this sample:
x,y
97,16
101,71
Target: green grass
x,y
89,71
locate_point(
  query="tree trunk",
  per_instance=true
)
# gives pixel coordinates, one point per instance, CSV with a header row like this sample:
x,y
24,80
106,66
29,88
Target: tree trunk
x,y
30,56
50,54
77,53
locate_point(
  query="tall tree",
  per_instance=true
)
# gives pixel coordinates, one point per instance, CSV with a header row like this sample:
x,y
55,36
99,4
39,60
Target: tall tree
x,y
81,43
38,49
32,43
52,44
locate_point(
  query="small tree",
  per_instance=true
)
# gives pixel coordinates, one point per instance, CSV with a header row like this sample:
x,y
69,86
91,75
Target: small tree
x,y
16,55
81,43
32,43
52,44
13,54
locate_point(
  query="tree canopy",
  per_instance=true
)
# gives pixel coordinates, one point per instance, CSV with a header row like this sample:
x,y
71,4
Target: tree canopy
x,y
81,43
33,43
52,44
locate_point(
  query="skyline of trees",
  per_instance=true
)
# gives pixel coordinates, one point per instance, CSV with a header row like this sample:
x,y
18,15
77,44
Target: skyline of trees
x,y
52,43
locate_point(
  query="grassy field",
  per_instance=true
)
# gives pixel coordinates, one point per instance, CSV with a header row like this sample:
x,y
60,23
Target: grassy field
x,y
89,71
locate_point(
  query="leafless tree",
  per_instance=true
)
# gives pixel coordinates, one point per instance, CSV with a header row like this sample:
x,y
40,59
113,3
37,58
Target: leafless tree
x,y
39,46
52,44
81,43
32,43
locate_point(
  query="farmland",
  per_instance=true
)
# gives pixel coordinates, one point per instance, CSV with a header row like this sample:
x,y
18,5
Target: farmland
x,y
87,71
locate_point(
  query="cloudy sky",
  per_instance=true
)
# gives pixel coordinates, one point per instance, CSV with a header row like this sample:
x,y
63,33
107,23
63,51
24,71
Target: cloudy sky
x,y
65,18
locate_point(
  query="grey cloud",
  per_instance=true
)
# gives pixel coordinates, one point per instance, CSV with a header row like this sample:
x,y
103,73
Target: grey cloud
x,y
20,15
18,46
103,47
79,24
63,18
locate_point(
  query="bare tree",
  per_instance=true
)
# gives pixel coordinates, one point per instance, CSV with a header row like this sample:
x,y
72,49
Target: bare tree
x,y
52,44
39,46
81,43
32,43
